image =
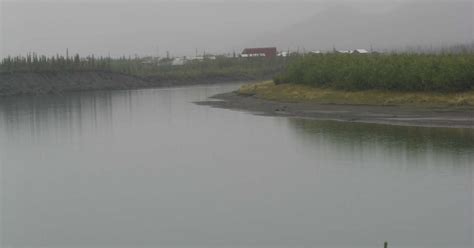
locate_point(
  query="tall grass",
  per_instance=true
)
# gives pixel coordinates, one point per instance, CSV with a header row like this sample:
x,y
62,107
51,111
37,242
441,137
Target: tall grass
x,y
401,72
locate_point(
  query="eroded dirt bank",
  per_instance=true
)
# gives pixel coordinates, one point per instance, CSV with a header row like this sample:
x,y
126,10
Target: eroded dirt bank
x,y
12,84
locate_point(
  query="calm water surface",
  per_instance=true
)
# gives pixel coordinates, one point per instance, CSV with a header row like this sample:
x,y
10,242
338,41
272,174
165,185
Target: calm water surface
x,y
149,168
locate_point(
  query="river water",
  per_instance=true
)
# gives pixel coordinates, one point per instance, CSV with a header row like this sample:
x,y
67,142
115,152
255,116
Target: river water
x,y
149,168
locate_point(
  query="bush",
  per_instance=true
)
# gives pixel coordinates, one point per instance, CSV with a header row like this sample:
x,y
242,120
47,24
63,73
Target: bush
x,y
401,72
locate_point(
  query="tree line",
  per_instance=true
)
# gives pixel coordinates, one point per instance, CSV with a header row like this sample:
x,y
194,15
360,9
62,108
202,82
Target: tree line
x,y
145,67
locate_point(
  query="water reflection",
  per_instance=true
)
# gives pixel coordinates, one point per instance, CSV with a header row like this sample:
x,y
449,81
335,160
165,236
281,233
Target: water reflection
x,y
398,152
149,168
46,117
417,139
444,147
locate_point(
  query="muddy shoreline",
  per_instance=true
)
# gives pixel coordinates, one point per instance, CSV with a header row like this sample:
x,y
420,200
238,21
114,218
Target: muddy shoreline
x,y
448,117
43,83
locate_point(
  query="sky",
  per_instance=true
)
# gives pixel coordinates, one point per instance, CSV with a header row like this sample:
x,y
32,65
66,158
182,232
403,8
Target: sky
x,y
153,27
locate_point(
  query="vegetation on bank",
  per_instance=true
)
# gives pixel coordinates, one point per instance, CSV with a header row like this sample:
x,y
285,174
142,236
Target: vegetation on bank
x,y
304,93
148,67
392,72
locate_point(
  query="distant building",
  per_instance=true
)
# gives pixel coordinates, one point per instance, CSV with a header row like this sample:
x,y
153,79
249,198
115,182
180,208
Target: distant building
x,y
356,51
344,51
148,60
268,52
360,51
283,54
211,57
178,61
185,60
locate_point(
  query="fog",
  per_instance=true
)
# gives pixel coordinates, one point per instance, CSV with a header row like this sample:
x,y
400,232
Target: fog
x,y
183,27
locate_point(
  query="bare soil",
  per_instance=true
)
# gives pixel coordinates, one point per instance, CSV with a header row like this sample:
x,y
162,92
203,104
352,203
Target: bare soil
x,y
27,83
452,117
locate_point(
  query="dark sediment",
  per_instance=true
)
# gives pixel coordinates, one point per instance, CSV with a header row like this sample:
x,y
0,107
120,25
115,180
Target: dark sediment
x,y
394,115
40,83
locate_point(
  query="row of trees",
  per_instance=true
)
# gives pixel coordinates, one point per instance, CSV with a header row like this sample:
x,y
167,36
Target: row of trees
x,y
33,63
145,67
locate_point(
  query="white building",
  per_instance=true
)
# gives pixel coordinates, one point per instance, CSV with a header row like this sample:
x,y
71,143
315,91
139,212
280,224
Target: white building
x,y
361,51
178,61
344,51
355,51
283,54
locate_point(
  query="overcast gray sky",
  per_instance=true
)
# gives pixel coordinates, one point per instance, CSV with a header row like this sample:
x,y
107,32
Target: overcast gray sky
x,y
154,27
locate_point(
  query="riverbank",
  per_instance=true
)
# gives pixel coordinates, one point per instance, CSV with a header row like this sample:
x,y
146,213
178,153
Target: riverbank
x,y
302,93
40,83
397,108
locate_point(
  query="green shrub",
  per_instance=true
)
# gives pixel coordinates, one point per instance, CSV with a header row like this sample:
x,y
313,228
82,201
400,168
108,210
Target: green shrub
x,y
402,72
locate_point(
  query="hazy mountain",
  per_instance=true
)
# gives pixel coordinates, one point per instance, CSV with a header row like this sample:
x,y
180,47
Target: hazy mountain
x,y
146,27
410,24
141,27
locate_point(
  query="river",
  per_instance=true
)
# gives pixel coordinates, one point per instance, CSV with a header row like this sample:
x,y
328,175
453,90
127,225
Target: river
x,y
149,168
